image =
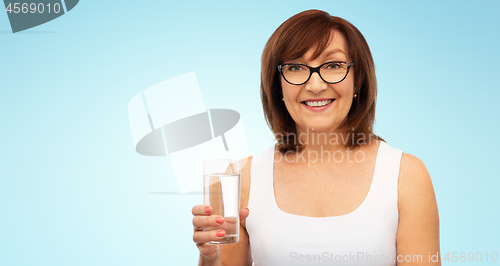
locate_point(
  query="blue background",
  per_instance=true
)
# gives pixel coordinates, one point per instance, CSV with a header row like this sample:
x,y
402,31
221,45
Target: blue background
x,y
73,190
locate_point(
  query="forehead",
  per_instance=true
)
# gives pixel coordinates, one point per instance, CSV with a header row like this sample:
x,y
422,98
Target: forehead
x,y
337,45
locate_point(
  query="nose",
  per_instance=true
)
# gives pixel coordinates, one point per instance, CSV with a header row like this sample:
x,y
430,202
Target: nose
x,y
315,84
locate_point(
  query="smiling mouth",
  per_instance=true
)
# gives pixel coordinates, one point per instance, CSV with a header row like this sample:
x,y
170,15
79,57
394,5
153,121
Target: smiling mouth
x,y
318,103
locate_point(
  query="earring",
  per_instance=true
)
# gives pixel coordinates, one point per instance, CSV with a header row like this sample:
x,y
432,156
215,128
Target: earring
x,y
283,99
355,95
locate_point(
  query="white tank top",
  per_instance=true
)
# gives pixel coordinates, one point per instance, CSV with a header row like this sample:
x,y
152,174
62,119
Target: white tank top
x,y
367,235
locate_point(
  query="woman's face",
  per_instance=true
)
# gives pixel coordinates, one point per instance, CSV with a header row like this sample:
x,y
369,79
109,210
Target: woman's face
x,y
297,97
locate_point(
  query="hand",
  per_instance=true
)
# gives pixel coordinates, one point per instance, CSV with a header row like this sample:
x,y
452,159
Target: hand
x,y
202,219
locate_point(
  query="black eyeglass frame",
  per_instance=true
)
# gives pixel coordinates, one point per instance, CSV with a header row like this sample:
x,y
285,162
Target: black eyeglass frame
x,y
315,69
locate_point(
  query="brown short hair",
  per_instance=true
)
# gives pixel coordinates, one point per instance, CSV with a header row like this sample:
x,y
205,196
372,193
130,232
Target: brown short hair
x,y
291,40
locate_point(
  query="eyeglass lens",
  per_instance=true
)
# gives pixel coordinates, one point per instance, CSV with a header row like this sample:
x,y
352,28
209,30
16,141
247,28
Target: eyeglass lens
x,y
298,74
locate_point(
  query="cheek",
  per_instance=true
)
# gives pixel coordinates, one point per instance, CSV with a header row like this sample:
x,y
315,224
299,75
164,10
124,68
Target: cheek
x,y
344,92
346,89
283,89
288,92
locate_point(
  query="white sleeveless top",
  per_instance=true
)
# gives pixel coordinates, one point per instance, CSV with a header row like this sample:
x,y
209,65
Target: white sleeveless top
x,y
365,236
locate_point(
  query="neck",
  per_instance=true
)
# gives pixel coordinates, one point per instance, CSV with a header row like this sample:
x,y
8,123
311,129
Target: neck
x,y
326,146
332,140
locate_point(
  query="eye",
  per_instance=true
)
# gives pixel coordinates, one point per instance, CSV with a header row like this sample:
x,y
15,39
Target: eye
x,y
334,66
294,68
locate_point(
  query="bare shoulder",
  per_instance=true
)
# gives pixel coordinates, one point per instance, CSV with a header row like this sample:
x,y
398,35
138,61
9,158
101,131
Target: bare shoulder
x,y
415,184
245,183
245,164
414,179
418,229
411,162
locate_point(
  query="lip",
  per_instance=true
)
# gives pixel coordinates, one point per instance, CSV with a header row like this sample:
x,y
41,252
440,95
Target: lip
x,y
317,100
316,108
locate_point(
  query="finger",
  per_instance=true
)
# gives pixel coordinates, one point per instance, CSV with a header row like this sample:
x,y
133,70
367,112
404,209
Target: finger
x,y
197,228
202,210
207,236
200,221
208,250
244,213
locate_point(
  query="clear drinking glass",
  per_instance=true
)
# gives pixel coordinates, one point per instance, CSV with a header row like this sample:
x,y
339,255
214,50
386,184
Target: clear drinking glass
x,y
221,190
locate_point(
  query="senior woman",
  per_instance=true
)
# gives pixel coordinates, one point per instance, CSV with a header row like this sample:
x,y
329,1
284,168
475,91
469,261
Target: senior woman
x,y
329,192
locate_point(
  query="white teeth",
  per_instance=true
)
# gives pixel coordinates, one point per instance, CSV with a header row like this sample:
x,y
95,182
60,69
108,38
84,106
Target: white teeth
x,y
318,103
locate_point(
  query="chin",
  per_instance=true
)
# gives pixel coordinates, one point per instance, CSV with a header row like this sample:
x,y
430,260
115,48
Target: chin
x,y
318,128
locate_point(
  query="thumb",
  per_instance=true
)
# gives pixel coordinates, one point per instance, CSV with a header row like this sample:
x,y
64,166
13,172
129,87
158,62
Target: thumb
x,y
244,213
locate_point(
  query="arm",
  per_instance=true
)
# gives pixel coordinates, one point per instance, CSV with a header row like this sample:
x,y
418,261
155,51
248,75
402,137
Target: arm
x,y
239,254
418,229
234,254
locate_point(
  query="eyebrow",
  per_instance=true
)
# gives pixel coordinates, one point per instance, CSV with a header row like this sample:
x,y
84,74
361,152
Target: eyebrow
x,y
335,51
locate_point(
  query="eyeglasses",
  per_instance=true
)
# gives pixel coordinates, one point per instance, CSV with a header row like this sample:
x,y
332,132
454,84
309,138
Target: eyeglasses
x,y
330,72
